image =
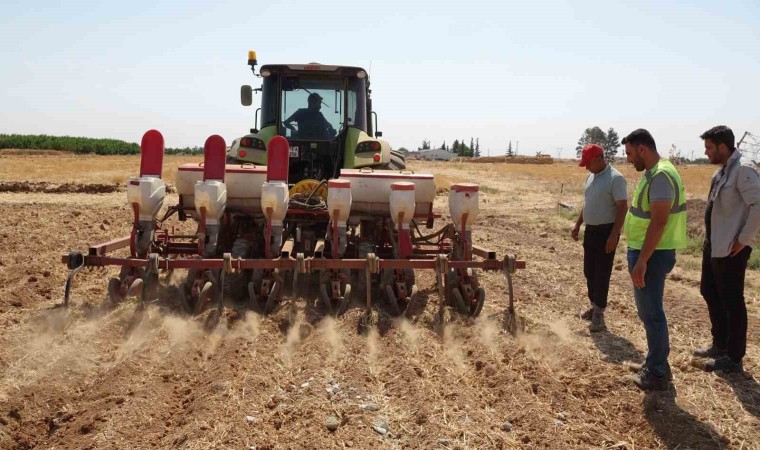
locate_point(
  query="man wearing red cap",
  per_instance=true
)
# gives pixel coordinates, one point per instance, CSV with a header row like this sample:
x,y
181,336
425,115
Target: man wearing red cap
x,y
603,213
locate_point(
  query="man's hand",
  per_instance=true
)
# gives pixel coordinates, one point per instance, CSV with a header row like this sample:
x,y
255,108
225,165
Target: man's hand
x,y
736,248
638,273
612,243
576,231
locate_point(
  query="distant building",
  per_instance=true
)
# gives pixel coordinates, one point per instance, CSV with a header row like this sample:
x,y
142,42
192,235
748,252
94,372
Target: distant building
x,y
435,154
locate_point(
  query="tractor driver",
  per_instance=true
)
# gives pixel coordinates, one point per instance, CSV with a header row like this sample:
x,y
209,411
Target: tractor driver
x,y
311,123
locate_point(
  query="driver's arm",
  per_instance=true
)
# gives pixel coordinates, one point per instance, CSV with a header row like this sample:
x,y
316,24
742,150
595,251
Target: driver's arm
x,y
327,124
293,118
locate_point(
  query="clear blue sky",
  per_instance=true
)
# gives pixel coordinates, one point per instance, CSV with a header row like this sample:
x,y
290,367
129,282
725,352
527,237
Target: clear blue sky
x,y
537,72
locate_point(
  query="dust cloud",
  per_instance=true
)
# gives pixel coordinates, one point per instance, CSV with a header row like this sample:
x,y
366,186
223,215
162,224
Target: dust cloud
x,y
180,331
547,346
247,329
488,333
452,345
373,343
409,333
292,340
562,330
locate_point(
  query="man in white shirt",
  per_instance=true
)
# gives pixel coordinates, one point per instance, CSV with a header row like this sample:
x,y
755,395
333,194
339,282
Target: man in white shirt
x,y
732,220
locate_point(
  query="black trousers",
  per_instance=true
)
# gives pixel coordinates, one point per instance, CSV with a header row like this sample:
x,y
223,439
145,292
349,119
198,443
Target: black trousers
x,y
597,263
722,287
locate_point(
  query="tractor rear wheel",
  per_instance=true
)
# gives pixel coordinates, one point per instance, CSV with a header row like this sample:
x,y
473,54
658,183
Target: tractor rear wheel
x,y
397,162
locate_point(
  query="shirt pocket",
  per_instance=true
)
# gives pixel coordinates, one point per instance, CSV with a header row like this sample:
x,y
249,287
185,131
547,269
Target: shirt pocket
x,y
728,190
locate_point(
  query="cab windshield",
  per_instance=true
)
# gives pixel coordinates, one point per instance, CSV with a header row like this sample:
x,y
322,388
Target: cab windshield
x,y
316,109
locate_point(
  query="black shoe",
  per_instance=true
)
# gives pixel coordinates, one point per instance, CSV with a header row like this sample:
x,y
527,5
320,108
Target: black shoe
x,y
597,322
588,314
648,381
709,352
724,363
638,367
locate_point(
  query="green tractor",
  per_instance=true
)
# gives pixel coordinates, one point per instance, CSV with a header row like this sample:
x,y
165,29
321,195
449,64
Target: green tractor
x,y
325,113
310,196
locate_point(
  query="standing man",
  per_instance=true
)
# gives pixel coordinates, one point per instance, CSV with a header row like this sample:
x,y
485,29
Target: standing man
x,y
732,220
603,213
655,227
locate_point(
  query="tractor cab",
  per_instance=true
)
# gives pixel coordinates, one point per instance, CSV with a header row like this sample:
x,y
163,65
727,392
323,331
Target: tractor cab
x,y
325,114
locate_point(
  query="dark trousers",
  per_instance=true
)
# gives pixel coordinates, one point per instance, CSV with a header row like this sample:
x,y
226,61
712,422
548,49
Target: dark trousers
x,y
597,263
722,287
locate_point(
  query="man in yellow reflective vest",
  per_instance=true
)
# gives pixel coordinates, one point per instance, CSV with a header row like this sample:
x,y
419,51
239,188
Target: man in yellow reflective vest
x,y
655,227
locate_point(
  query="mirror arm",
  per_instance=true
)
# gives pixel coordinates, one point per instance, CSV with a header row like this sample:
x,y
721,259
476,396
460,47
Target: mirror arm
x,y
256,121
377,133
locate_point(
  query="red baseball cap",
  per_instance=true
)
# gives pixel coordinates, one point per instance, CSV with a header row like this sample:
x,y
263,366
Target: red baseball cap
x,y
590,152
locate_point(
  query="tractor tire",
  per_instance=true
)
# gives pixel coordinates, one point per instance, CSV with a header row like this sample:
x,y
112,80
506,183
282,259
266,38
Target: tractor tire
x,y
398,154
397,162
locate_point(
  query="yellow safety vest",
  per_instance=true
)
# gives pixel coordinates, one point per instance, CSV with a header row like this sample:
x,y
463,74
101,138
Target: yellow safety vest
x,y
639,214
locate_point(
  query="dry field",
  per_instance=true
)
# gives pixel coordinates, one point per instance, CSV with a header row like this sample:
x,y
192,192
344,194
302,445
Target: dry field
x,y
92,378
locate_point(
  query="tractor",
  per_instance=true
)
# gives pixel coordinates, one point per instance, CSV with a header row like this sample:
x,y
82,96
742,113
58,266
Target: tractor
x,y
311,194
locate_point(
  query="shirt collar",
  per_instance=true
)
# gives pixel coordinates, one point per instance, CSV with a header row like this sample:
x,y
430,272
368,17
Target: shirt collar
x,y
735,156
594,176
648,172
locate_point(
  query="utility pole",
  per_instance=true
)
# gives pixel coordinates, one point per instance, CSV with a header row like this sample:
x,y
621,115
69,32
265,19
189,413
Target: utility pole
x,y
559,152
742,139
517,148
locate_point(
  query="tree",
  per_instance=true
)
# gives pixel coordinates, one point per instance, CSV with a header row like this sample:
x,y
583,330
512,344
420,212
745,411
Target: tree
x,y
443,146
593,135
461,149
464,150
510,153
674,154
611,144
425,144
455,147
477,148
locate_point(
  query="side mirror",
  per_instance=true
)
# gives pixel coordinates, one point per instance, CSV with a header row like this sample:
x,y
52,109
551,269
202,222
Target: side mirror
x,y
378,134
246,95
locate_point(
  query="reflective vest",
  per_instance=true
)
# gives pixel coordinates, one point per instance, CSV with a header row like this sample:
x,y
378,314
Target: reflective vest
x,y
639,214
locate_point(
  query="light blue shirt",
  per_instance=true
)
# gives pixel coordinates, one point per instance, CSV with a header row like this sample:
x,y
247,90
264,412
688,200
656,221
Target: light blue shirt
x,y
602,192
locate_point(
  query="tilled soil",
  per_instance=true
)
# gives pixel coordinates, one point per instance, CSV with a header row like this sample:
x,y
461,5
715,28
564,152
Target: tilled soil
x,y
97,377
65,188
